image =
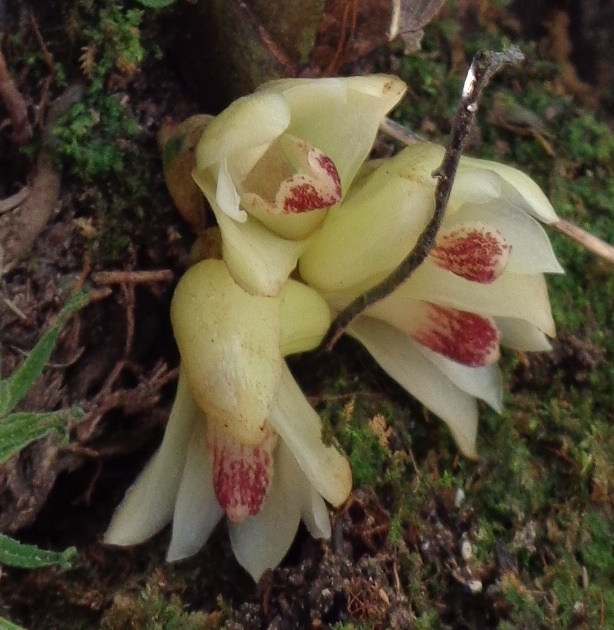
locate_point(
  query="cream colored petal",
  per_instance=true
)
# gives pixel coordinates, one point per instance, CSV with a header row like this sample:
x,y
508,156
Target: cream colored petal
x,y
305,318
300,427
258,260
261,542
408,366
196,511
226,195
511,295
149,503
531,251
340,116
229,345
249,122
417,162
484,382
369,234
315,515
468,338
242,474
314,512
473,250
521,335
296,178
295,227
534,199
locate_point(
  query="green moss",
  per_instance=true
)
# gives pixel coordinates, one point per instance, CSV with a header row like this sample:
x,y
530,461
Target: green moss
x,y
98,142
150,610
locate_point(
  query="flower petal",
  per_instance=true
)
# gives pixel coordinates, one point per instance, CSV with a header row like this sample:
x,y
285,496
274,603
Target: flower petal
x,y
260,542
312,181
226,195
315,515
417,162
369,234
229,344
406,364
521,335
531,251
519,185
339,116
467,338
233,131
512,294
300,427
149,503
474,251
242,474
484,382
258,260
197,511
305,318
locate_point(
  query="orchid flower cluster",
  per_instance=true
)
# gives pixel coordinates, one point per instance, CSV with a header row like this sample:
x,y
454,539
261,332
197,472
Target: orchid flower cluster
x,y
287,175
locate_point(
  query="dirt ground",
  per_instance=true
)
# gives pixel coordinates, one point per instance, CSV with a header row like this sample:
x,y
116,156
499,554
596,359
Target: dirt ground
x,y
521,539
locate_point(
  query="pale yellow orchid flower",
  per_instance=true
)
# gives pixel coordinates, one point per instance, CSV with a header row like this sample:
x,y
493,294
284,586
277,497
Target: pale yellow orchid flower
x,y
241,440
274,162
482,285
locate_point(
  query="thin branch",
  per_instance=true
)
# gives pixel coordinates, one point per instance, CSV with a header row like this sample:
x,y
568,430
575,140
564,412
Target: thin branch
x,y
14,201
484,66
132,277
399,133
588,241
15,104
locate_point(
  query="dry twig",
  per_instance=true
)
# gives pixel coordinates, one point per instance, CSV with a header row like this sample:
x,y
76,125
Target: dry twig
x,y
588,241
15,104
132,277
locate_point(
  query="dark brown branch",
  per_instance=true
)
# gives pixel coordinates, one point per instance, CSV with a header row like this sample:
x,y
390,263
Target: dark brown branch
x,y
484,66
15,104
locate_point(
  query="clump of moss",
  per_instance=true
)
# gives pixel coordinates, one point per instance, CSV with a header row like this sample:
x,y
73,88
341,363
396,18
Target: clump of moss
x,y
150,610
98,141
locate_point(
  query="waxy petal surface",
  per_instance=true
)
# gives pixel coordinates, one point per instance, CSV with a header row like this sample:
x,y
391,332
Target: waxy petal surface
x,y
197,511
149,503
473,251
307,180
242,474
531,251
484,382
260,542
258,260
522,335
339,116
305,318
229,344
512,294
233,131
300,427
464,337
369,234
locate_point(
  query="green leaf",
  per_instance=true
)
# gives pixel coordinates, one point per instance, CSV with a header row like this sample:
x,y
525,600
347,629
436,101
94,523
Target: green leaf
x,y
156,4
20,429
14,388
5,624
16,554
